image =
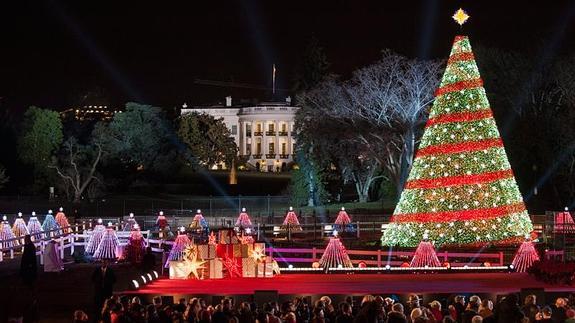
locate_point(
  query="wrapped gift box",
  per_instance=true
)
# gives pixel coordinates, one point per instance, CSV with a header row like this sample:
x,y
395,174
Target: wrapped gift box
x,y
178,269
213,269
242,250
224,250
207,251
265,269
228,236
249,267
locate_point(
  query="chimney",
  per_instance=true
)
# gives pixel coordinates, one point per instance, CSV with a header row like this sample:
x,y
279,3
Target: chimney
x,y
228,101
288,100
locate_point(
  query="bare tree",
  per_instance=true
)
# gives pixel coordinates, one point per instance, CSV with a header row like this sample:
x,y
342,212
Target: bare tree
x,y
77,163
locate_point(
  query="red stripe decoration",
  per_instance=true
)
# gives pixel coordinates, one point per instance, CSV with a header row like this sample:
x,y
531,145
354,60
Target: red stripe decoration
x,y
466,56
460,117
458,86
465,215
459,180
459,147
458,38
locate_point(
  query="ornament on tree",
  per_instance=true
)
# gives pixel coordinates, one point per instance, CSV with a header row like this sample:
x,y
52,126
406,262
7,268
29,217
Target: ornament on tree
x,y
525,257
136,246
343,221
35,228
460,189
178,251
96,237
19,227
6,234
50,226
199,222
62,221
291,221
161,221
243,220
108,246
564,222
335,254
130,223
425,255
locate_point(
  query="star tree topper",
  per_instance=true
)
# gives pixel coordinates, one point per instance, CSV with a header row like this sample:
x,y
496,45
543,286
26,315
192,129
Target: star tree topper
x,y
460,16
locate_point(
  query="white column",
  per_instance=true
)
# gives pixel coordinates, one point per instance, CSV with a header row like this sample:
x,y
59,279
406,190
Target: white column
x,y
277,138
264,140
253,144
289,141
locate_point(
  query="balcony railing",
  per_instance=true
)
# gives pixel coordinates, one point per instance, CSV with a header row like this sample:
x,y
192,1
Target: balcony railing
x,y
284,156
283,133
270,133
258,133
270,156
257,156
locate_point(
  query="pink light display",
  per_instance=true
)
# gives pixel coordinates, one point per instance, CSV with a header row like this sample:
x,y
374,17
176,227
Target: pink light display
x,y
335,255
243,220
425,255
525,257
291,221
107,248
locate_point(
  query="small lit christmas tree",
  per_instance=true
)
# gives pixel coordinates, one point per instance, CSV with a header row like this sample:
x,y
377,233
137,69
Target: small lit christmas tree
x,y
50,226
136,246
243,220
291,221
6,234
179,247
343,221
425,255
199,222
19,227
95,237
35,228
161,221
461,188
130,223
335,254
212,238
62,221
525,257
108,244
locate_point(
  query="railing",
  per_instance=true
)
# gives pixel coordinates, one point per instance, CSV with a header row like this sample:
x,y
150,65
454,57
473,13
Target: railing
x,y
270,133
270,156
257,156
284,156
258,133
283,133
381,258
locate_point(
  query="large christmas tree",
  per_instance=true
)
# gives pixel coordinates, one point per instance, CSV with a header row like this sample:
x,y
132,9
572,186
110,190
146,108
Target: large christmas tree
x,y
461,189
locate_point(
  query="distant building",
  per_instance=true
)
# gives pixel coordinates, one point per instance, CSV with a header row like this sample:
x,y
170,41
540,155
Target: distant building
x,y
90,113
264,132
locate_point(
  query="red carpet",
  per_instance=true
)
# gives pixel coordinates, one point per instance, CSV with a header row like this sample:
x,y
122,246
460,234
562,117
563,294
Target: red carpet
x,y
334,284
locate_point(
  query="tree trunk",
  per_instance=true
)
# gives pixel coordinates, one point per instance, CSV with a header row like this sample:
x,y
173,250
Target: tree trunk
x,y
406,159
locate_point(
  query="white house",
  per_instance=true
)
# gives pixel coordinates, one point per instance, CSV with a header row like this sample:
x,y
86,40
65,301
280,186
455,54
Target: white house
x,y
264,133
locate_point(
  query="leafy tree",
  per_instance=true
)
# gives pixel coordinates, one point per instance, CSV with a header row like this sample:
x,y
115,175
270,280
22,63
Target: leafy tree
x,y
3,177
41,136
77,163
208,139
141,138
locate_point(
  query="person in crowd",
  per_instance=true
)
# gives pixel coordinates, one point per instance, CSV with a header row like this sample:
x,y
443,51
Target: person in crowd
x,y
545,316
508,310
459,306
288,312
329,310
559,310
245,314
345,315
486,308
181,306
80,316
435,308
28,264
223,313
471,310
570,316
103,279
303,310
477,319
530,308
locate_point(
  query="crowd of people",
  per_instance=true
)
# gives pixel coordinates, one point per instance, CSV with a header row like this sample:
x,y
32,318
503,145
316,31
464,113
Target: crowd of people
x,y
371,309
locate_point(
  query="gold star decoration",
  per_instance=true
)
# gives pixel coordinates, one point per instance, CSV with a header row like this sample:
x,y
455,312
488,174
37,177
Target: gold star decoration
x,y
195,266
460,16
258,254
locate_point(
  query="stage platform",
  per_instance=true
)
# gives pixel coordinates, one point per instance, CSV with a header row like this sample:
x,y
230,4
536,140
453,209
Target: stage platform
x,y
354,284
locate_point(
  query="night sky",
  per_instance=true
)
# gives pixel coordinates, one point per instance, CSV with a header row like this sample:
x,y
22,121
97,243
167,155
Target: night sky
x,y
55,52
